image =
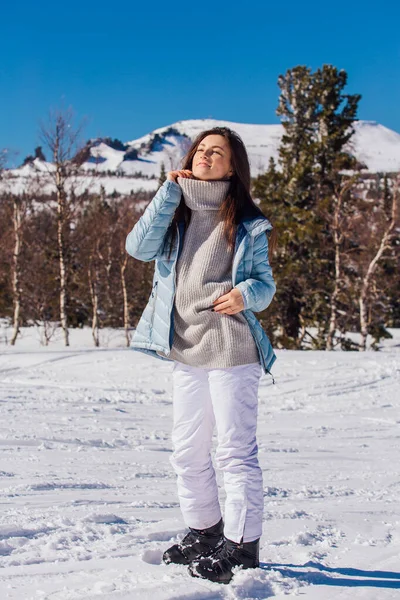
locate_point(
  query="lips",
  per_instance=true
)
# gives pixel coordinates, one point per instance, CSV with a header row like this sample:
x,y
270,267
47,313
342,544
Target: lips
x,y
202,164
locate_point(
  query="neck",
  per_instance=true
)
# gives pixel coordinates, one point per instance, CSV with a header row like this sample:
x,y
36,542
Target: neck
x,y
203,195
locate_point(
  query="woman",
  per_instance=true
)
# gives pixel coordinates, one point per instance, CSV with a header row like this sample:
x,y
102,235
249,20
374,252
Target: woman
x,y
209,241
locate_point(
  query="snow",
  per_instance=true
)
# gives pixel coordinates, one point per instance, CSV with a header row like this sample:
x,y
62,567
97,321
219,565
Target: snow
x,y
113,157
88,496
122,185
375,145
261,141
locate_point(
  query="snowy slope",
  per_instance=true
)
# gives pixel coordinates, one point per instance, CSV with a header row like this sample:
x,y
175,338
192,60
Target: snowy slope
x,y
139,160
88,496
374,144
262,141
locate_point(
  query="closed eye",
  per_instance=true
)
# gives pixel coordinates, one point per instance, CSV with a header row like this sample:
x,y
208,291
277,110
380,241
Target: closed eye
x,y
213,151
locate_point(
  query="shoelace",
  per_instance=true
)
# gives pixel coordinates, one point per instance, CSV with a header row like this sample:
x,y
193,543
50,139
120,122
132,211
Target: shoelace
x,y
224,556
190,538
192,541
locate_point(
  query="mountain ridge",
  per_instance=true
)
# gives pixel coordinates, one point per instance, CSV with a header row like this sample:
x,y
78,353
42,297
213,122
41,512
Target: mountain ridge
x,y
136,164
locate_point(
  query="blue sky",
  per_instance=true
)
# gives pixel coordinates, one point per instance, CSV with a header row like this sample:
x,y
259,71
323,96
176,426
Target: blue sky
x,y
131,67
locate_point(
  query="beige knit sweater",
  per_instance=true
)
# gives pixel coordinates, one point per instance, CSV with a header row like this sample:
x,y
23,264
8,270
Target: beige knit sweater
x,y
203,338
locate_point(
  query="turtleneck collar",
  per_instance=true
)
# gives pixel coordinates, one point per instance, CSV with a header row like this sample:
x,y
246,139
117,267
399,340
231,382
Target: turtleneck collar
x,y
203,195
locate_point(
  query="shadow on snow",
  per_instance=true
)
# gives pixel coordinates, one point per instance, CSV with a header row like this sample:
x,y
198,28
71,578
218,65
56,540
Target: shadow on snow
x,y
378,579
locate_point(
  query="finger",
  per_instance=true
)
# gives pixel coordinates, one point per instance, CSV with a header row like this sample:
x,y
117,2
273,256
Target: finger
x,y
221,306
234,308
227,311
223,298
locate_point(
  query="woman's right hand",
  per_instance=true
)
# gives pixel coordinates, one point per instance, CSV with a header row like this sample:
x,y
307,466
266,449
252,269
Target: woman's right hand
x,y
173,175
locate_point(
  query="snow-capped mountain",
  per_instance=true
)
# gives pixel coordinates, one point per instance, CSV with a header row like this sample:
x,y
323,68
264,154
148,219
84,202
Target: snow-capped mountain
x,y
136,164
373,144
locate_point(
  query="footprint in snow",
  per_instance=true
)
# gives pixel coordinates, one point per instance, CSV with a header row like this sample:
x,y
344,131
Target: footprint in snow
x,y
152,557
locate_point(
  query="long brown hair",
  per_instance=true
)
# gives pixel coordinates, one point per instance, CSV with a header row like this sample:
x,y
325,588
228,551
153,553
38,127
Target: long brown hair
x,y
238,204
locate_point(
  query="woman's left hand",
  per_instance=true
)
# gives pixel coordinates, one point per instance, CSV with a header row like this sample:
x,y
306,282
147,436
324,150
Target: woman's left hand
x,y
230,303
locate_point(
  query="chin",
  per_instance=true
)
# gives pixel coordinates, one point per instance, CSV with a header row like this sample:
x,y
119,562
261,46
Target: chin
x,y
201,178
206,177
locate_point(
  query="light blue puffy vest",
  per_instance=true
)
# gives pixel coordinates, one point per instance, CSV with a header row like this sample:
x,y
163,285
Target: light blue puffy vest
x,y
251,274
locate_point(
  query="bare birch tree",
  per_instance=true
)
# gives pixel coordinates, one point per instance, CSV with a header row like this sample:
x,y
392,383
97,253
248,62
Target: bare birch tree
x,y
338,227
18,204
125,211
16,271
386,238
62,139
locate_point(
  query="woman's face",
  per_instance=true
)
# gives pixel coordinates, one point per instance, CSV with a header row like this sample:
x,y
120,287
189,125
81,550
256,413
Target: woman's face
x,y
212,159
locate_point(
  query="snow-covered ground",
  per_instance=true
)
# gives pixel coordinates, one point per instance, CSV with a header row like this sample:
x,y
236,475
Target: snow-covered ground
x,y
88,497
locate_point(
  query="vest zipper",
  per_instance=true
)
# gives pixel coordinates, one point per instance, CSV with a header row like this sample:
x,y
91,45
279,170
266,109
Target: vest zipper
x,y
154,295
260,351
172,307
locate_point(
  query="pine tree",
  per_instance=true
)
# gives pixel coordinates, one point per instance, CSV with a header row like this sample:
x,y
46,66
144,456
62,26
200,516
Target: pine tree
x,y
299,198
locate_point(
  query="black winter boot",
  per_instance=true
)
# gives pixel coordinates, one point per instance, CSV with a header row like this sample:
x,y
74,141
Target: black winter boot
x,y
196,544
218,566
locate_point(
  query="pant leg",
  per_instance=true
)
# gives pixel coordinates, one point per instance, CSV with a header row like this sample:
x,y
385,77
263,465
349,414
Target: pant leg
x,y
234,393
192,432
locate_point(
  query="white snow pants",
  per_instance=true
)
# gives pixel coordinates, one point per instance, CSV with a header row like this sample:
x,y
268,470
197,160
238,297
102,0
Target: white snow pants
x,y
227,398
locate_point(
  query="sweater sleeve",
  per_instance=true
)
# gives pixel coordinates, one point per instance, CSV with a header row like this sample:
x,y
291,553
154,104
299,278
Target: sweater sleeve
x,y
147,236
259,289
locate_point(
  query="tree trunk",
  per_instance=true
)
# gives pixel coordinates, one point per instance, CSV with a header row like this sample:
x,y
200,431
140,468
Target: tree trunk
x,y
335,294
108,271
95,306
337,229
16,269
363,316
61,253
